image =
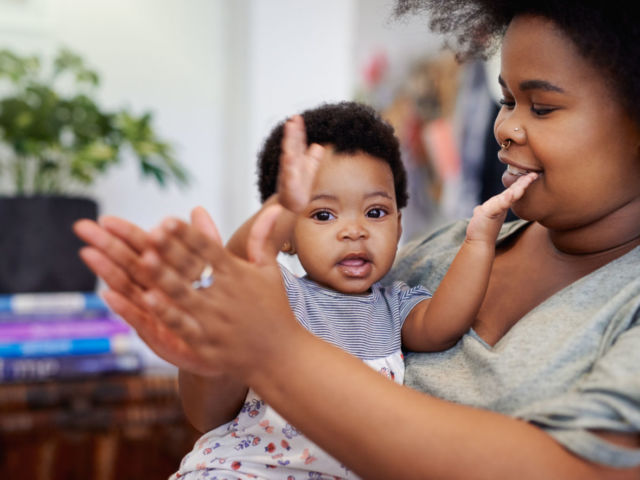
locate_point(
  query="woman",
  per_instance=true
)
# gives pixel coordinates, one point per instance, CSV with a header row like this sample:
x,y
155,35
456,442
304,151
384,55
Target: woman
x,y
547,382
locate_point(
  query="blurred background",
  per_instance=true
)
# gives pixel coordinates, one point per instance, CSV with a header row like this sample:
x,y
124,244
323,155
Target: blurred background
x,y
218,75
153,92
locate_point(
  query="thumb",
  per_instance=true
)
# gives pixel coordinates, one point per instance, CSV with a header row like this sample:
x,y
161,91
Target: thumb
x,y
203,222
259,248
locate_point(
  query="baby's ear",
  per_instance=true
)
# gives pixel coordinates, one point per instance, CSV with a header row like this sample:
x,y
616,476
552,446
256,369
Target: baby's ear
x,y
399,225
288,248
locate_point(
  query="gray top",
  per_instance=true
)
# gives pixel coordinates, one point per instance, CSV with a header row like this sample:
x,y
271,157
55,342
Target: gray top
x,y
571,364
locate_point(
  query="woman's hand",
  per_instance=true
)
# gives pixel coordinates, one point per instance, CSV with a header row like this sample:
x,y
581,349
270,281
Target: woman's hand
x,y
115,255
242,314
208,331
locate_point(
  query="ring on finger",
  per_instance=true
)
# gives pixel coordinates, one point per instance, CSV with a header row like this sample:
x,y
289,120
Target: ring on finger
x,y
206,278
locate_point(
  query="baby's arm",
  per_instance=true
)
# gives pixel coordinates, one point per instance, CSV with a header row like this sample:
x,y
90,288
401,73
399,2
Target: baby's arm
x,y
298,166
438,323
208,402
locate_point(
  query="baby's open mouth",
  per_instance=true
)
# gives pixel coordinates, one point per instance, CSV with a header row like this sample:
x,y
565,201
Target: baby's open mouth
x,y
355,265
354,261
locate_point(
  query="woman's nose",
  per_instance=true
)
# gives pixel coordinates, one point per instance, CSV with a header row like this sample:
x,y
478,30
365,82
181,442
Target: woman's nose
x,y
508,129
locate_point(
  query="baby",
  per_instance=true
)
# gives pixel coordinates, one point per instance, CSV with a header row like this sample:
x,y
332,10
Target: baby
x,y
336,177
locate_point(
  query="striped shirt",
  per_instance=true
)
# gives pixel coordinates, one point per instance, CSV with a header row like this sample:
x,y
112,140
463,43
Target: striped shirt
x,y
366,325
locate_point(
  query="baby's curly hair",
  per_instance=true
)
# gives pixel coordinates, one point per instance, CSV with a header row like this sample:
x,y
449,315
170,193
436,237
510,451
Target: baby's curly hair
x,y
349,127
605,35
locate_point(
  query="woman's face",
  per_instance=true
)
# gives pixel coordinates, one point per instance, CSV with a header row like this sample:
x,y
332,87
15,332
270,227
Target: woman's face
x,y
563,121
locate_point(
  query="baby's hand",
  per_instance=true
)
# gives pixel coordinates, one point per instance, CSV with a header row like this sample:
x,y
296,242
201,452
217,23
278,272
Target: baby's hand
x,y
488,218
298,166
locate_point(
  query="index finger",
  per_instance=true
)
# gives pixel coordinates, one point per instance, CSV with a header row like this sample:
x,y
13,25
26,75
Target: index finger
x,y
128,232
201,244
118,250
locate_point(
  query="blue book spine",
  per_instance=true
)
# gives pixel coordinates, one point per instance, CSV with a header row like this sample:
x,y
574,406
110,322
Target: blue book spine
x,y
50,303
65,346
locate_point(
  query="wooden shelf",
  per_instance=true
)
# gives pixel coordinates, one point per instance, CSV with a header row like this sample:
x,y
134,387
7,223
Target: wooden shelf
x,y
123,427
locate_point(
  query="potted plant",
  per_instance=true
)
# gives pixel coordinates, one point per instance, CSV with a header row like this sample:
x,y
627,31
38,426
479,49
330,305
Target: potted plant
x,y
55,141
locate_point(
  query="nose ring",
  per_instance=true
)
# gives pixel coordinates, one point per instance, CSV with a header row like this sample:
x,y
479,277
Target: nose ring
x,y
516,129
506,144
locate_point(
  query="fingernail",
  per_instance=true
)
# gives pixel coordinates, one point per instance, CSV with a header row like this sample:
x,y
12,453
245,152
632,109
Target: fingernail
x,y
150,258
150,299
171,224
157,234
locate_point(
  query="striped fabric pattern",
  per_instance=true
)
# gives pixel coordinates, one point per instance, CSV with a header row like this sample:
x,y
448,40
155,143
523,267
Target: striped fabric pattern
x,y
367,325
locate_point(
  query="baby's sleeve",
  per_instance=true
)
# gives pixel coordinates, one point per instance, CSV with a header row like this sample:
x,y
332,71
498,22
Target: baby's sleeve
x,y
409,297
606,398
295,294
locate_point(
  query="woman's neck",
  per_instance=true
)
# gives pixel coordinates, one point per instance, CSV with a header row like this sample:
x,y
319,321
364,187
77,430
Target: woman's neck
x,y
611,236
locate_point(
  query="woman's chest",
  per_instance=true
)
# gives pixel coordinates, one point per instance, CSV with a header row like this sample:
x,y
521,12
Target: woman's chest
x,y
539,356
520,282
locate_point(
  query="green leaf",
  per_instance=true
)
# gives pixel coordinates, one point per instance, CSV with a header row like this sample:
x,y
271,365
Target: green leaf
x,y
57,138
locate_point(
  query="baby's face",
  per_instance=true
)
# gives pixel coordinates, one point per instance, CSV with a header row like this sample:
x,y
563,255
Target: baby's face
x,y
346,239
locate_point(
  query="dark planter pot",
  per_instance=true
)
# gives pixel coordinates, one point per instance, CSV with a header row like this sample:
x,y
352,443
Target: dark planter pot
x,y
38,249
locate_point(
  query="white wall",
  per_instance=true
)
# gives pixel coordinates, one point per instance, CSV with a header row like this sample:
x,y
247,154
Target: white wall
x,y
293,54
217,74
164,56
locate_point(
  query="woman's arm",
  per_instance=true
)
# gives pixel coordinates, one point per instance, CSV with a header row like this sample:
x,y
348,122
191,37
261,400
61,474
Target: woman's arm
x,y
409,434
377,428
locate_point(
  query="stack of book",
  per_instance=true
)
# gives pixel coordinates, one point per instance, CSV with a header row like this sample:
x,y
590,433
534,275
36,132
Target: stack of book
x,y
63,336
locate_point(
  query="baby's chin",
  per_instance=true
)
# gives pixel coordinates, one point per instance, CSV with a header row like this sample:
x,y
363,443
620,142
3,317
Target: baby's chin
x,y
356,291
351,287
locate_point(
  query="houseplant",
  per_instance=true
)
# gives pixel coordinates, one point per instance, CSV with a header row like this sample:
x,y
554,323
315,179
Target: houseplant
x,y
55,141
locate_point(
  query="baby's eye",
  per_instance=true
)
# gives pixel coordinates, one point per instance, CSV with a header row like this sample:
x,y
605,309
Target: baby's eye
x,y
376,213
323,216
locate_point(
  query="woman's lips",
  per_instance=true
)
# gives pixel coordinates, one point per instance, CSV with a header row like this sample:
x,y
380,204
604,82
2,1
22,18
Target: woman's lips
x,y
513,170
512,173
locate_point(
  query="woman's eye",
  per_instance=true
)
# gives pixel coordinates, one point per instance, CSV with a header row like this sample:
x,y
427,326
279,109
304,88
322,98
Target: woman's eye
x,y
507,103
541,111
376,213
323,216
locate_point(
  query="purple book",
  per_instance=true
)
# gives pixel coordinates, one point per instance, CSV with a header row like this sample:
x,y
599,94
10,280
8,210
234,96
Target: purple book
x,y
64,327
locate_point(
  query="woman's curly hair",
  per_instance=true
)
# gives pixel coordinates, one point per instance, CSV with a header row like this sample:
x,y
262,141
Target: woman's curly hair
x,y
605,35
348,127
